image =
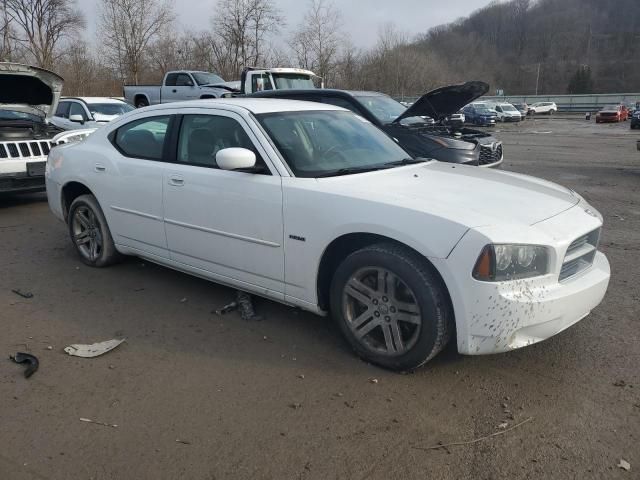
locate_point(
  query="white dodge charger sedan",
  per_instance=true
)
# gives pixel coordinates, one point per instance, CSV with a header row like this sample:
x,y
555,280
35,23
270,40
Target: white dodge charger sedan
x,y
311,205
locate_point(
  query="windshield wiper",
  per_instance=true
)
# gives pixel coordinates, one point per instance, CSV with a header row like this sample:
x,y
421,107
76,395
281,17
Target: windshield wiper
x,y
406,161
350,170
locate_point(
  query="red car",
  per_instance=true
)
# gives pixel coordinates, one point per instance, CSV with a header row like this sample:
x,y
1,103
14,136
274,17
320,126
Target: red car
x,y
612,113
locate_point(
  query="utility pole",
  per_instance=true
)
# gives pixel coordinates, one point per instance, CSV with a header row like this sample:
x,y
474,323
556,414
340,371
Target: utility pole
x,y
538,78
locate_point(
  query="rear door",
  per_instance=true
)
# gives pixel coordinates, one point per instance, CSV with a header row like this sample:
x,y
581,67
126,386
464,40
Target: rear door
x,y
133,194
179,86
226,223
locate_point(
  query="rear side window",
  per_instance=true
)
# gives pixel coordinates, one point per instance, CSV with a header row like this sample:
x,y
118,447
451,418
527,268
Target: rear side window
x,y
260,83
171,80
143,138
63,110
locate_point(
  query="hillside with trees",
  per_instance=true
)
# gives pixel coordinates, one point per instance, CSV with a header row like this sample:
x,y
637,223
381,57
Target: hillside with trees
x,y
554,46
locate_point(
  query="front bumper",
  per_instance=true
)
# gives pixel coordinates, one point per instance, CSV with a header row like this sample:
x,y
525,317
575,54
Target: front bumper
x,y
22,175
494,317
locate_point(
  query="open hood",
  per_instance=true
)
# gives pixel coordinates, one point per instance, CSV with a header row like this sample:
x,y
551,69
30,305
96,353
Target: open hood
x,y
444,101
30,89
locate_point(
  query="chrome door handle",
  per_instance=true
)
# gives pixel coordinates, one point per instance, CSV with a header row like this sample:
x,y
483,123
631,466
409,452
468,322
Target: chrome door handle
x,y
176,181
99,167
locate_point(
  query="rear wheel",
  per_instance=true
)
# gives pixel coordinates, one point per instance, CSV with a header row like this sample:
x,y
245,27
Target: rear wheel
x,y
90,233
551,112
142,102
391,307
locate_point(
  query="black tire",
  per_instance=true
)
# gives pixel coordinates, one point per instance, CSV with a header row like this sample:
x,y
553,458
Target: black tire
x,y
88,227
551,112
142,102
410,274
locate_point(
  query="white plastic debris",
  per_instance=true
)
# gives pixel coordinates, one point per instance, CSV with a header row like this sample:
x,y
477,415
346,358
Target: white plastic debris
x,y
624,465
93,350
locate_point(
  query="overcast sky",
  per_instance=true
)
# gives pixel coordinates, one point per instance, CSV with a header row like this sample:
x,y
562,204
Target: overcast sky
x,y
361,18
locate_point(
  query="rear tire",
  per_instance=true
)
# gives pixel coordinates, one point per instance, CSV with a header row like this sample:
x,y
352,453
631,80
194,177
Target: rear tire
x,y
391,307
90,233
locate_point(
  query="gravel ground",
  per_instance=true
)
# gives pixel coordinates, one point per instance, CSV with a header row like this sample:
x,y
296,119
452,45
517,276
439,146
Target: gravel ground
x,y
199,396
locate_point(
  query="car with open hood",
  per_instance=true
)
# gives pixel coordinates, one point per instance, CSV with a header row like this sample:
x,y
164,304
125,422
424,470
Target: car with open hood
x,y
421,129
28,98
75,113
313,206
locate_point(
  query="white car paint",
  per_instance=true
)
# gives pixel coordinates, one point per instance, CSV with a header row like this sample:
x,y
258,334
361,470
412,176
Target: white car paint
x,y
244,230
543,107
85,106
507,112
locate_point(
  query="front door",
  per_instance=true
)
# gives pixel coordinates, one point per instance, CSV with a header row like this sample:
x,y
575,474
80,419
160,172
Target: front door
x,y
178,88
226,223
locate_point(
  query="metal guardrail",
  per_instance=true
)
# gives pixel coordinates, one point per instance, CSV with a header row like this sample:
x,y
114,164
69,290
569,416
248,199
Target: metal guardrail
x,y
566,103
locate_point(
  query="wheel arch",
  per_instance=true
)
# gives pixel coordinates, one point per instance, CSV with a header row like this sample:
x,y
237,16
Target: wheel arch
x,y
69,192
207,96
140,96
346,244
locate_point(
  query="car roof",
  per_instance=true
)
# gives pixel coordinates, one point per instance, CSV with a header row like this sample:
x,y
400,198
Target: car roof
x,y
253,105
94,99
317,91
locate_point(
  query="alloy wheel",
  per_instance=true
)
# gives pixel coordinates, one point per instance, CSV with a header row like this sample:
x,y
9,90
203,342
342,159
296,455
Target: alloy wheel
x,y
87,234
381,311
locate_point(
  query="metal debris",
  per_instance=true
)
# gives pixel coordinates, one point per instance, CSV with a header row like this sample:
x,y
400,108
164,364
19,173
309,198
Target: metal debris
x,y
22,294
93,350
31,361
184,442
88,420
244,304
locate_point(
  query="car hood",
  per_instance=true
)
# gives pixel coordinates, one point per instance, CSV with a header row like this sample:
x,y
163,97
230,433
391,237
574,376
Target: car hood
x,y
444,101
29,89
467,195
101,117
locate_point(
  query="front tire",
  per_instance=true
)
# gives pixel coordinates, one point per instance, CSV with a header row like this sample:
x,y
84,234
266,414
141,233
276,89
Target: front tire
x,y
391,307
90,233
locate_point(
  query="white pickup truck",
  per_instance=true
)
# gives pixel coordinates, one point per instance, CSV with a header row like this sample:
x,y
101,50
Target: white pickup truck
x,y
192,85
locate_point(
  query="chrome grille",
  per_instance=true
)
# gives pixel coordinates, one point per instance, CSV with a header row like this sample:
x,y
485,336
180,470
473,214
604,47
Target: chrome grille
x,y
580,254
36,148
488,155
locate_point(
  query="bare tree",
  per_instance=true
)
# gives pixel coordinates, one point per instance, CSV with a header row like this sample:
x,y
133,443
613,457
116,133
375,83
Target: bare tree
x,y
41,26
128,27
316,43
240,31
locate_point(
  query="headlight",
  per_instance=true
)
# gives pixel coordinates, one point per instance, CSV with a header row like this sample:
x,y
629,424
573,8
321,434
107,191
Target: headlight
x,y
498,263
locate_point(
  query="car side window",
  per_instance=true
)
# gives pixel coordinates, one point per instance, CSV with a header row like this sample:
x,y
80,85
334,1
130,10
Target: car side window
x,y
203,136
77,109
171,80
260,83
143,138
498,109
184,80
63,110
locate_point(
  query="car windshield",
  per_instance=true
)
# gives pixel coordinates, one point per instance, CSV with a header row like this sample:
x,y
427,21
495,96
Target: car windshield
x,y
205,78
330,142
484,110
289,81
17,115
109,108
386,109
508,108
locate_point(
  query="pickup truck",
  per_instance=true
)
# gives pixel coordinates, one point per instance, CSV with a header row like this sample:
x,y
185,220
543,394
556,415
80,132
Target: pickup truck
x,y
191,85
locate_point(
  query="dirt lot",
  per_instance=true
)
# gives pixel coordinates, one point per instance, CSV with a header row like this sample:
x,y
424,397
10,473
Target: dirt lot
x,y
199,396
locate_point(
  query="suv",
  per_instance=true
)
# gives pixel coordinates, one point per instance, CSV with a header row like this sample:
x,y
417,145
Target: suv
x,y
480,114
87,112
411,127
543,107
28,98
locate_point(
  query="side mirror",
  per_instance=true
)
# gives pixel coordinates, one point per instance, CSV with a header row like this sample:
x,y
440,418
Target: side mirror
x,y
76,118
235,158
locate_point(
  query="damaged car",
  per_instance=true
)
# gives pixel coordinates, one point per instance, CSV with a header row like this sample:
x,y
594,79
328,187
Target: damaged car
x,y
28,98
440,140
313,206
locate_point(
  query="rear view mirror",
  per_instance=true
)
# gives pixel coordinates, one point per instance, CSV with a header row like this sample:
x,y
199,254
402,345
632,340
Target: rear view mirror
x,y
235,159
76,118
